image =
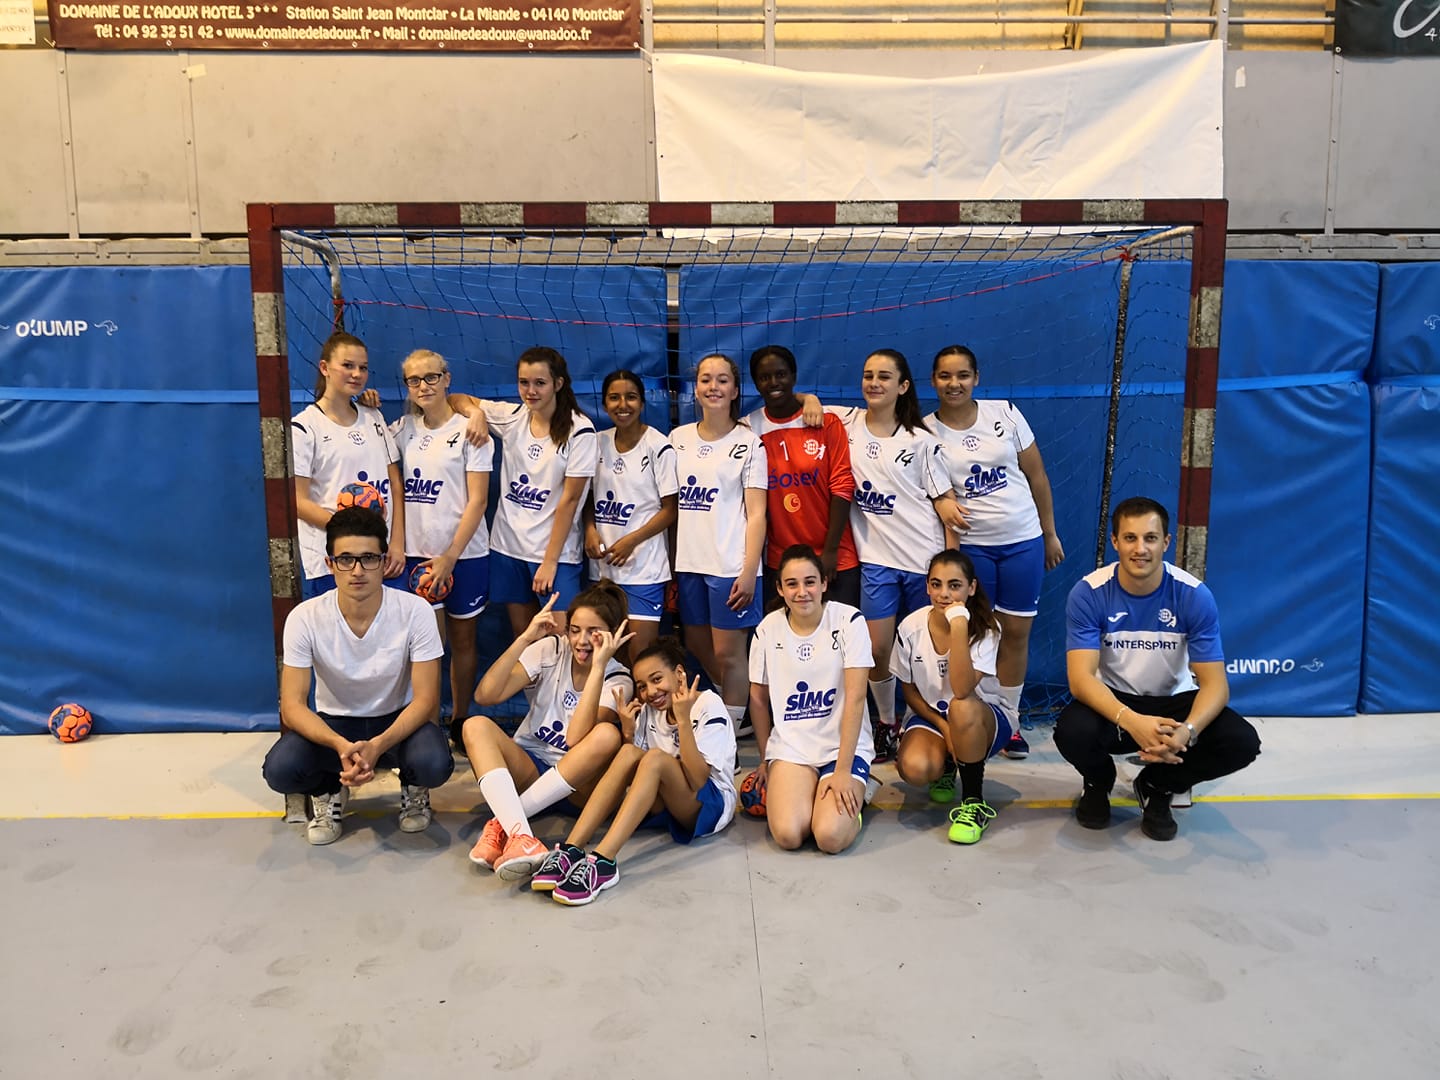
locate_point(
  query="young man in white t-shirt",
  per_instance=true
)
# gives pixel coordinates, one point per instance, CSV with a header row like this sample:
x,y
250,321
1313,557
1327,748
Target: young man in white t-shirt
x,y
374,654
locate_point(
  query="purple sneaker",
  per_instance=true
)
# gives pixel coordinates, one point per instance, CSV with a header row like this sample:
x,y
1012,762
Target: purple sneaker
x,y
587,879
555,867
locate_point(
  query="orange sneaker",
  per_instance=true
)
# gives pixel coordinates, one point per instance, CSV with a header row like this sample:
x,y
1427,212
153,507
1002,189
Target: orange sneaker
x,y
491,843
521,856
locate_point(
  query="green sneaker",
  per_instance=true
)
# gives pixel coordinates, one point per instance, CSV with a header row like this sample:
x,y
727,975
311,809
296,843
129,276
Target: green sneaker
x,y
969,820
943,790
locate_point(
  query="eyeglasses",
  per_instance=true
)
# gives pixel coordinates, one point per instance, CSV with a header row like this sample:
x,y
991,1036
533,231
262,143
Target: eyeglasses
x,y
347,562
429,379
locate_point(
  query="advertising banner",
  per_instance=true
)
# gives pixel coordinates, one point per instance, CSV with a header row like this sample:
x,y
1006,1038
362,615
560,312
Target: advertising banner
x,y
1387,27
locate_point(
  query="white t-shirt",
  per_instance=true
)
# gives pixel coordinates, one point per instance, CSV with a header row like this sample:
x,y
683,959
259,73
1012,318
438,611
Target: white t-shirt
x,y
433,464
914,660
364,676
710,532
891,515
627,493
806,679
714,738
985,471
332,456
533,471
553,696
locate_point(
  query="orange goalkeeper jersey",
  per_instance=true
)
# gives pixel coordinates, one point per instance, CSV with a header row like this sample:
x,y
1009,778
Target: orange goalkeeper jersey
x,y
807,467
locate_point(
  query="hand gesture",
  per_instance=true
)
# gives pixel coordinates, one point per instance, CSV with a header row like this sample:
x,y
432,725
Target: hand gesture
x,y
1171,749
477,427
608,644
545,623
628,710
842,790
1149,732
357,763
370,398
812,412
682,701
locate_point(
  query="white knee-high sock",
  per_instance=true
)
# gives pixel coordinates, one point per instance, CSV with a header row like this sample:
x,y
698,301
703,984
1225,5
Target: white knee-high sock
x,y
1011,695
545,792
498,787
884,694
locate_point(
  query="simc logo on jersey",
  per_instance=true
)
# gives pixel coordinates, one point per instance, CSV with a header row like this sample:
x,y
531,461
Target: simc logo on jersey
x,y
871,501
381,484
695,497
807,704
983,481
612,511
523,493
420,490
555,736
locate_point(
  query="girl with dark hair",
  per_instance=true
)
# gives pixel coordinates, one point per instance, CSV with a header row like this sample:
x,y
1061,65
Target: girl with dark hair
x,y
567,739
336,442
945,660
633,505
680,766
720,530
808,665
903,509
547,459
999,478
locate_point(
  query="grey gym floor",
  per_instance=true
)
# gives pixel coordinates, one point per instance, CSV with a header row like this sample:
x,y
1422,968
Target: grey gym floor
x,y
1274,939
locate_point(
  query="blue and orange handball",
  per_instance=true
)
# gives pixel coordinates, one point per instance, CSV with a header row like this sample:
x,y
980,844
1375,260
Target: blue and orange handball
x,y
366,496
752,795
71,722
424,585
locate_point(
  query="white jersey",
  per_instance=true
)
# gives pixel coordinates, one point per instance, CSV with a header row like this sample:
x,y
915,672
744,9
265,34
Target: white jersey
x,y
533,471
433,464
892,517
710,533
553,696
916,661
627,493
985,471
331,456
361,676
806,680
714,738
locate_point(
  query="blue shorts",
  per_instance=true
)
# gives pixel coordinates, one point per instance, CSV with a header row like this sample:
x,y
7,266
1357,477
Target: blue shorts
x,y
647,602
712,807
887,593
1003,731
859,769
312,587
541,765
510,580
471,589
702,603
1010,574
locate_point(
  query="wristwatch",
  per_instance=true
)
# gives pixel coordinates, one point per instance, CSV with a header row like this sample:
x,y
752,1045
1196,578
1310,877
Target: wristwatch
x,y
1193,733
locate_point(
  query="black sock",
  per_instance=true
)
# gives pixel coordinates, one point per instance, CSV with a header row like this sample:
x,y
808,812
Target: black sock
x,y
972,779
601,860
575,853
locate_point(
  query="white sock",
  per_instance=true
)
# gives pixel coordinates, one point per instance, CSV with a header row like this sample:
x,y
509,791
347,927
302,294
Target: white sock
x,y
884,694
1011,697
498,787
545,792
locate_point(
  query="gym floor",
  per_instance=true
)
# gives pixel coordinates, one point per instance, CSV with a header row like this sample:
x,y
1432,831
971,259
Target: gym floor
x,y
159,919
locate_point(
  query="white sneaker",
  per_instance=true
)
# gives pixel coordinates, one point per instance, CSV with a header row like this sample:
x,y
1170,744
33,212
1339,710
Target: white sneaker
x,y
325,815
415,815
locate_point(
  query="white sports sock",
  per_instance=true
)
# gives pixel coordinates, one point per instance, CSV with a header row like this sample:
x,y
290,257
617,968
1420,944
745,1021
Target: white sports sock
x,y
1011,696
498,787
737,712
884,694
545,792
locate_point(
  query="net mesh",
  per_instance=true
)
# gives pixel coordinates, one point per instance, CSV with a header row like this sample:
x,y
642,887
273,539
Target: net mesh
x,y
1052,315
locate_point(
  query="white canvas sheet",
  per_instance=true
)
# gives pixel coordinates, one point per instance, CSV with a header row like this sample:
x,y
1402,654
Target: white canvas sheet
x,y
1137,123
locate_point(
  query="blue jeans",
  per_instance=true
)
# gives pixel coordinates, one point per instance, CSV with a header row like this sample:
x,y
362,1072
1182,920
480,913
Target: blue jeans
x,y
297,766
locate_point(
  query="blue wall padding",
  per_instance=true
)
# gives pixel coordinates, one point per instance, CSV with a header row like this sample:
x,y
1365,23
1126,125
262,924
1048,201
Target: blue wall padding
x,y
1402,626
1291,483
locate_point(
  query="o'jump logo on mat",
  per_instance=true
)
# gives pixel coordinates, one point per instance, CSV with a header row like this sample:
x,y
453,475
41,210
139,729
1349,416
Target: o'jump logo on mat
x,y
28,328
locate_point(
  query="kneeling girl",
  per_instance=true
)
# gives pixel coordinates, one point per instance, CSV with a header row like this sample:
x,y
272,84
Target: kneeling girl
x,y
809,666
944,657
681,766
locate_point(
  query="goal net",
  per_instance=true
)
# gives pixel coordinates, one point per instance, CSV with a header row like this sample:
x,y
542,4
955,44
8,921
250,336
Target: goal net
x,y
1095,319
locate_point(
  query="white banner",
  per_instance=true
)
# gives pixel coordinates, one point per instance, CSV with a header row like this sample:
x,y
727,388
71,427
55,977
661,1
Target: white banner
x,y
1136,123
